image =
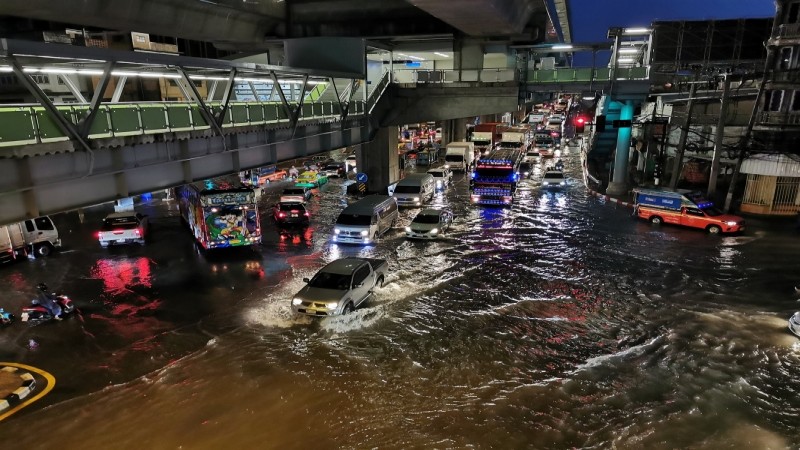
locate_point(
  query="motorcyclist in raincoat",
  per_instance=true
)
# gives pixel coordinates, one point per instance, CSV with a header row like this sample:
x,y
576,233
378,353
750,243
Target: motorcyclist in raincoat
x,y
48,300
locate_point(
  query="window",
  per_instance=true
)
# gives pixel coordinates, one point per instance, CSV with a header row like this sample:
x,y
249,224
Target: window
x,y
794,8
44,223
785,58
41,79
360,275
772,100
29,226
694,212
796,101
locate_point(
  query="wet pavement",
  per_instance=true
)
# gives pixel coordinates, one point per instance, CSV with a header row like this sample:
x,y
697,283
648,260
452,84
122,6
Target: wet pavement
x,y
561,322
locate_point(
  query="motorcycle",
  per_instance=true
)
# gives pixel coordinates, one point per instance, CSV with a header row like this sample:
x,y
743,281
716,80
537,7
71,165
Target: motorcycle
x,y
38,313
6,318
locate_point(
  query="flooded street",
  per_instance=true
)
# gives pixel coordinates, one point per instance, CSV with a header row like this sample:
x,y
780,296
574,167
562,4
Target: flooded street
x,y
562,322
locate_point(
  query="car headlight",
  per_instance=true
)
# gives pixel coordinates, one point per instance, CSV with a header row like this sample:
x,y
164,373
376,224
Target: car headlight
x,y
416,199
730,224
364,232
332,305
447,166
563,183
336,231
297,301
545,183
434,231
408,229
438,184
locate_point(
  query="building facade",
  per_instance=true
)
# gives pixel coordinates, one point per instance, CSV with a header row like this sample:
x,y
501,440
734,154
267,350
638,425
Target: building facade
x,y
773,170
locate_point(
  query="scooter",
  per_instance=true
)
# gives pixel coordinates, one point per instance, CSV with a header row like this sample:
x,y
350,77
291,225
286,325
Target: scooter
x,y
38,313
6,318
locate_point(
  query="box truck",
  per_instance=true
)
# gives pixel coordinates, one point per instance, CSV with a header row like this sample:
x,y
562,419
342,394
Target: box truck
x,y
38,235
460,155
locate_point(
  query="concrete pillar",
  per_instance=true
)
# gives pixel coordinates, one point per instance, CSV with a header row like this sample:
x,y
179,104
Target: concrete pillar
x,y
379,160
468,56
454,130
619,184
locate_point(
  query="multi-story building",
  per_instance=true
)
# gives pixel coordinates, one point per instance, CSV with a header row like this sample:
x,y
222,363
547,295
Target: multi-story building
x,y
773,168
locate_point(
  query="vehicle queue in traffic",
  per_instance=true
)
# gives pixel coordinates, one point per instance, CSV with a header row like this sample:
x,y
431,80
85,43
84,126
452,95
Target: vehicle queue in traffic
x,y
222,213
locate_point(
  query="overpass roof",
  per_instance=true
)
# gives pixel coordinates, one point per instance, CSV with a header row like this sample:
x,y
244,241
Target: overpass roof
x,y
251,25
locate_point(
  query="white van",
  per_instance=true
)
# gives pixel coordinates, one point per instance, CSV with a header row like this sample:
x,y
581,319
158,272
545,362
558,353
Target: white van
x,y
415,189
365,220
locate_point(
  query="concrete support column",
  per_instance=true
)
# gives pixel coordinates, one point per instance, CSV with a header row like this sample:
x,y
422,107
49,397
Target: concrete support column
x,y
379,160
619,184
454,130
468,56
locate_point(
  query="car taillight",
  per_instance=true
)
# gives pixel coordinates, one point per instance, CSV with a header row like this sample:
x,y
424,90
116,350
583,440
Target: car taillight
x,y
294,211
138,232
98,234
306,214
282,214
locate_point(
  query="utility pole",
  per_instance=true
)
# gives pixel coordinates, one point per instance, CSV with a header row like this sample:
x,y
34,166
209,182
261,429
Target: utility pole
x,y
678,164
723,112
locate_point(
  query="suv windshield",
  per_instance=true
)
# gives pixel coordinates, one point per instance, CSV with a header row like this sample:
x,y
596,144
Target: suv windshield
x,y
294,192
426,218
332,167
555,175
407,190
436,174
327,280
350,219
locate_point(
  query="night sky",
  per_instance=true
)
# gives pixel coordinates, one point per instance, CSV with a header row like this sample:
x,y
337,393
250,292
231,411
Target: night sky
x,y
591,19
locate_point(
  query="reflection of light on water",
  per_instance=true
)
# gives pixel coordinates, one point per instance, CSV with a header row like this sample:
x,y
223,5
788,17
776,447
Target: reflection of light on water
x,y
726,255
119,275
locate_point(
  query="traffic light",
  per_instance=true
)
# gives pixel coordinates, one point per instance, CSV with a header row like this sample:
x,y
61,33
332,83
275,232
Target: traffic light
x,y
580,122
600,123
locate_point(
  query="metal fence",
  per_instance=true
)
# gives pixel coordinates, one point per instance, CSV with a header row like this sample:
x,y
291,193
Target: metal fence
x,y
453,76
779,195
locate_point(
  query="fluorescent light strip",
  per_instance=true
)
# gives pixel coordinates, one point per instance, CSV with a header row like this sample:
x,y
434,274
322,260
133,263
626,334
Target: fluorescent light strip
x,y
629,50
637,30
626,60
126,73
441,54
562,47
412,57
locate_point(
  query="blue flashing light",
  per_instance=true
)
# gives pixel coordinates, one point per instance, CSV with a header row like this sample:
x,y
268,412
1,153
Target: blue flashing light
x,y
705,205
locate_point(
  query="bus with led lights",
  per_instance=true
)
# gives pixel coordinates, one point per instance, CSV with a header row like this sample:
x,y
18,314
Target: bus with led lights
x,y
220,213
494,180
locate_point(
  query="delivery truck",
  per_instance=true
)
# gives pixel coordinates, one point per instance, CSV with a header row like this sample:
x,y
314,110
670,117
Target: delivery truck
x,y
38,236
460,156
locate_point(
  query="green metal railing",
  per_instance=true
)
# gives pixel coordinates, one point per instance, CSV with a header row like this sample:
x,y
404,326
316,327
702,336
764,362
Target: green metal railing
x,y
32,124
586,75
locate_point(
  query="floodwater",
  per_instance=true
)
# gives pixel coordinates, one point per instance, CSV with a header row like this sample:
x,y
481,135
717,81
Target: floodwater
x,y
559,323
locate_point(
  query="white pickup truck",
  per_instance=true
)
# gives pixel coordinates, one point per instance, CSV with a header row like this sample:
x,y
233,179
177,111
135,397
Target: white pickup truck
x,y
340,287
127,227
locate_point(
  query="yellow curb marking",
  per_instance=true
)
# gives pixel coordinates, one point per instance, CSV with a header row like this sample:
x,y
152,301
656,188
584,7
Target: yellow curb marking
x,y
51,382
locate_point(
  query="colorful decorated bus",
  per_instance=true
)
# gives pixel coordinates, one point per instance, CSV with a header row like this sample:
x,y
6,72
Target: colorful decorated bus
x,y
220,214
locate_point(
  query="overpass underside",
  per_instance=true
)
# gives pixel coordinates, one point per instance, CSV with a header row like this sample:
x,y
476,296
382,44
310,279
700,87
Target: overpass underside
x,y
54,174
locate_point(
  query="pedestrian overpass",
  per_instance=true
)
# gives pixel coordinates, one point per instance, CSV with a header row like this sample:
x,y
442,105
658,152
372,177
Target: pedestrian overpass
x,y
57,157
